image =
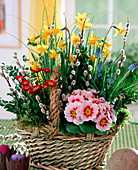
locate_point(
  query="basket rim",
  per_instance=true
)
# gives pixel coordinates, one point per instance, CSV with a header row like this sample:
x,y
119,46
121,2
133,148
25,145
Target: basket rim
x,y
69,137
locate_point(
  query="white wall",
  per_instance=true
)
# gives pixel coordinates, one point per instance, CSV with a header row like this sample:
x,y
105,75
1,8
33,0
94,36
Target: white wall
x,y
6,54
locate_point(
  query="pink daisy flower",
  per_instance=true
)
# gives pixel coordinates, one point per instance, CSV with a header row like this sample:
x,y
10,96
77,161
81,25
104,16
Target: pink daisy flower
x,y
71,113
87,111
103,123
76,98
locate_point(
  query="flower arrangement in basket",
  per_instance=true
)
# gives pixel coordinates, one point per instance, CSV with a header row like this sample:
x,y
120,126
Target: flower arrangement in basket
x,y
70,102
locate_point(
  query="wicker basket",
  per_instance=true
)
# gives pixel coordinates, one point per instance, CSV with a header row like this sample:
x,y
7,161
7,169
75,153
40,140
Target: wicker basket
x,y
51,150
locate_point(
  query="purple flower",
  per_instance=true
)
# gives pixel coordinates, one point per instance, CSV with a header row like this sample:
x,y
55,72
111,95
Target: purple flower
x,y
95,77
98,53
112,79
133,66
99,67
100,75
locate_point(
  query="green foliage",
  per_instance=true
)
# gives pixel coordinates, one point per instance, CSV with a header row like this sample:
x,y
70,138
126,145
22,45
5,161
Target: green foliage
x,y
123,116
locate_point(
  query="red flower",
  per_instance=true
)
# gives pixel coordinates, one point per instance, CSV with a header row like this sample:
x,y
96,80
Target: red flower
x,y
25,82
19,78
35,89
44,86
47,70
50,83
37,70
26,88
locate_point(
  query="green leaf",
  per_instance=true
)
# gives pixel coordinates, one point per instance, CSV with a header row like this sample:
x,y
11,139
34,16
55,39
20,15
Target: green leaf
x,y
113,124
62,128
71,128
87,128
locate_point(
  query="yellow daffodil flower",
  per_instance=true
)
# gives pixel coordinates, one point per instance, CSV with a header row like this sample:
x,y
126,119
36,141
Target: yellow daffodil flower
x,y
93,40
31,40
61,33
75,39
62,44
81,18
71,58
92,57
34,65
53,54
106,53
106,44
42,48
119,30
49,32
